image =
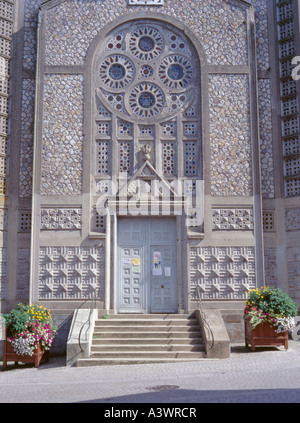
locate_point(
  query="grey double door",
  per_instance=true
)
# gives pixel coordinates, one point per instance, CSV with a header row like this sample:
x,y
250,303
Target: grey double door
x,y
147,270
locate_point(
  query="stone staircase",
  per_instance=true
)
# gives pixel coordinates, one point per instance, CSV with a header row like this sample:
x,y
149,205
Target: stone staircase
x,y
140,338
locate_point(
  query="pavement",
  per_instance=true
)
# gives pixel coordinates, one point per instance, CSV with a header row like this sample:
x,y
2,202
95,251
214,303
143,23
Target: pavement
x,y
266,375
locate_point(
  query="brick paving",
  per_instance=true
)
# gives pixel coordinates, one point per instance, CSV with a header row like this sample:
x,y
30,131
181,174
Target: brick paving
x,y
270,375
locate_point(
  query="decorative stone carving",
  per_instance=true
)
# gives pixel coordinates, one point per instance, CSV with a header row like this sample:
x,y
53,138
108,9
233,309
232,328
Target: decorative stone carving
x,y
71,272
232,219
146,150
61,218
222,272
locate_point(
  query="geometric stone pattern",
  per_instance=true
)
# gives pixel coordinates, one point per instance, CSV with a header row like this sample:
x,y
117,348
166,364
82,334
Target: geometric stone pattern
x,y
60,218
71,272
6,34
268,221
222,272
289,97
232,219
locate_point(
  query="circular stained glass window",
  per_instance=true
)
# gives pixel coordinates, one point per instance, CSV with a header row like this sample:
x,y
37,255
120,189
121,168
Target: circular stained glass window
x,y
117,71
146,100
146,43
175,72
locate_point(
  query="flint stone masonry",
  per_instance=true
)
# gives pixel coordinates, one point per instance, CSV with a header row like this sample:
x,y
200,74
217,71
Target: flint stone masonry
x,y
26,150
62,135
230,135
220,26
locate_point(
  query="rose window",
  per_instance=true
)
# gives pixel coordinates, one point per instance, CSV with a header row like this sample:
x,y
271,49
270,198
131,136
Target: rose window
x,y
146,100
147,83
116,71
146,43
175,72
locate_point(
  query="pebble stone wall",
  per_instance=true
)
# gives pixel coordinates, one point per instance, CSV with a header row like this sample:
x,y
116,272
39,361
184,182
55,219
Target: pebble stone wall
x,y
72,25
230,135
62,135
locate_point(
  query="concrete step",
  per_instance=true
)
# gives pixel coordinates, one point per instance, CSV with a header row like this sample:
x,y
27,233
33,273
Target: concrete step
x,y
146,354
146,347
141,334
147,322
146,316
147,341
135,339
145,328
83,362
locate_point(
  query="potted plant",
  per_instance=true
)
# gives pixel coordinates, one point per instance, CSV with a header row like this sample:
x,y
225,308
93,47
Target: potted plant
x,y
29,333
269,315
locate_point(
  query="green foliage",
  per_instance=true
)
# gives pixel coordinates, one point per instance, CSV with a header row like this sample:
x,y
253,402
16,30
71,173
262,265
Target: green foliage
x,y
17,320
273,301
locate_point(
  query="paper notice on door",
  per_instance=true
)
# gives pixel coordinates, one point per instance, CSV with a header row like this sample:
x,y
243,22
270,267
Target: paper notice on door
x,y
167,271
157,268
126,261
136,269
136,261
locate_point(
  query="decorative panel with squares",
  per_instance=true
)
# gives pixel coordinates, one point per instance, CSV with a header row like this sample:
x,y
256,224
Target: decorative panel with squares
x,y
190,158
124,128
71,272
189,128
25,221
168,158
169,128
103,128
103,157
125,157
289,97
268,221
222,272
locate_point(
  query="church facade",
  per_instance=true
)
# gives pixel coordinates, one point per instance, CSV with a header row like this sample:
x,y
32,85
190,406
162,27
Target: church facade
x,y
149,153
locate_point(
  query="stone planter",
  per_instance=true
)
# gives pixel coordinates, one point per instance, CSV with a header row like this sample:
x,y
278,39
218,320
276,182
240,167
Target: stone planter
x,y
10,355
264,335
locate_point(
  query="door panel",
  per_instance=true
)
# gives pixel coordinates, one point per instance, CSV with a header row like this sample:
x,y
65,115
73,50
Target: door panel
x,y
132,292
163,283
147,265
